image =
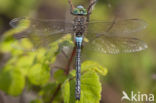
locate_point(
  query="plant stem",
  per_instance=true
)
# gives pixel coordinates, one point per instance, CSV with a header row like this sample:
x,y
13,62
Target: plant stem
x,y
66,72
70,61
55,93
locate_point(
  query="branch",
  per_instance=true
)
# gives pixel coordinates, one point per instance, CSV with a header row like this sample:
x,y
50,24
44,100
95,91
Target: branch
x,y
70,61
55,93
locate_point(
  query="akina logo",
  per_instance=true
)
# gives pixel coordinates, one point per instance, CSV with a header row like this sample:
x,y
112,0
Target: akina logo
x,y
137,97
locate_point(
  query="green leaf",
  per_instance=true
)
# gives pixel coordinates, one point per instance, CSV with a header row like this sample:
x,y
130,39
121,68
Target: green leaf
x,y
23,44
90,65
22,26
18,82
12,80
8,40
23,63
38,75
50,54
66,43
48,89
6,46
90,89
60,76
66,91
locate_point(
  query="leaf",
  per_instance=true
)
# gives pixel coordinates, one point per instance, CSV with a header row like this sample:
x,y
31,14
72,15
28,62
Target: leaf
x,y
50,55
38,75
90,65
12,81
60,76
23,25
52,52
8,39
48,89
23,63
17,83
66,43
6,46
66,91
90,89
23,45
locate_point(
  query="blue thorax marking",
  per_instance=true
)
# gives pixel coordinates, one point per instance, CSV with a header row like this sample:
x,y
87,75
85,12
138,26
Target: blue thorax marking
x,y
79,39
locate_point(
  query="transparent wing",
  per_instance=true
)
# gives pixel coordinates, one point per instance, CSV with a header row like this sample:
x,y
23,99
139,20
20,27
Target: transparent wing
x,y
41,26
124,28
116,45
42,32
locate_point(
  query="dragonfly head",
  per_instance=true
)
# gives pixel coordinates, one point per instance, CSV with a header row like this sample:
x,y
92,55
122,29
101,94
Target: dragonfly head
x,y
79,10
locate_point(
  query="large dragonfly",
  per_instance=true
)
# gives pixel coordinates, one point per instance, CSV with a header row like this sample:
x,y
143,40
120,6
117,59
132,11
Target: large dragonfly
x,y
106,37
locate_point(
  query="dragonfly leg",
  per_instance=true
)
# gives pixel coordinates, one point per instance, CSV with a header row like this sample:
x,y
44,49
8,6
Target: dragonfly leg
x,y
71,5
89,9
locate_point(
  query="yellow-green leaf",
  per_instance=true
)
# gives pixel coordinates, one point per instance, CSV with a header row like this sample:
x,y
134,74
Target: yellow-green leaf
x,y
90,89
38,75
60,76
12,81
90,65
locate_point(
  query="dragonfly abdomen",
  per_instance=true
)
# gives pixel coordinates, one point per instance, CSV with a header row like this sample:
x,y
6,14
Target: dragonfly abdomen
x,y
78,67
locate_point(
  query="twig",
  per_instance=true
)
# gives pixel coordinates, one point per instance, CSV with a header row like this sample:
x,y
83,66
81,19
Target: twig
x,y
66,72
55,93
70,60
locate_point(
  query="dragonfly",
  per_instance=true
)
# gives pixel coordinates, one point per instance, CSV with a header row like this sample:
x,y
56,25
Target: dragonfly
x,y
107,37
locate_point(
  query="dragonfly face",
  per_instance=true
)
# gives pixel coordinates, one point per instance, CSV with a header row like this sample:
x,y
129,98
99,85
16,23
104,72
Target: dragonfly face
x,y
80,10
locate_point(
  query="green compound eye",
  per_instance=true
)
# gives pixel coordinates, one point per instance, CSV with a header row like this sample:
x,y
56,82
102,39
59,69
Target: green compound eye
x,y
84,11
76,11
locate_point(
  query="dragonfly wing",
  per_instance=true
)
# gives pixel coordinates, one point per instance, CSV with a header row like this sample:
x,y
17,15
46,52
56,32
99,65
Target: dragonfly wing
x,y
37,41
123,28
42,25
42,32
116,45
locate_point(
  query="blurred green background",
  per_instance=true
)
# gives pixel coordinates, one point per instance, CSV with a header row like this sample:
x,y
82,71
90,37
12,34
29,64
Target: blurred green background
x,y
126,72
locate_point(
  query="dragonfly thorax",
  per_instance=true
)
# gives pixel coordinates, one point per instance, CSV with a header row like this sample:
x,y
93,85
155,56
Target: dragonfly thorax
x,y
79,25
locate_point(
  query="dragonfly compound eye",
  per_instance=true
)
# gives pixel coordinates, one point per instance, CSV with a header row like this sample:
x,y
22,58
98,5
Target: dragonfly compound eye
x,y
76,11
